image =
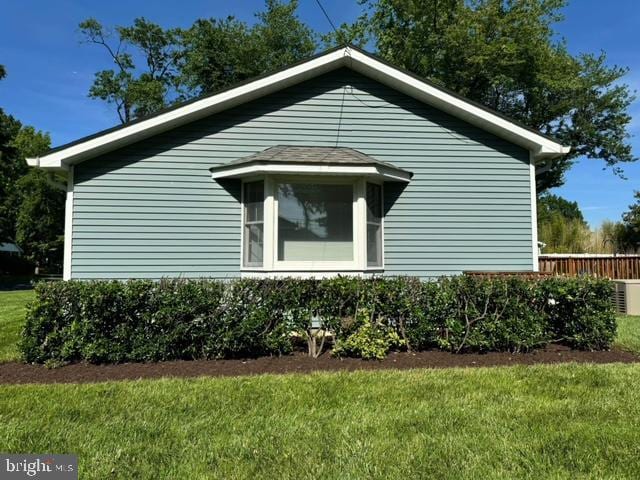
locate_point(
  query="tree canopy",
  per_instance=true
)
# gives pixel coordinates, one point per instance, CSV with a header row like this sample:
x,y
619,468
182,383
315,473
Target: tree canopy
x,y
17,142
155,67
31,202
550,205
135,92
631,222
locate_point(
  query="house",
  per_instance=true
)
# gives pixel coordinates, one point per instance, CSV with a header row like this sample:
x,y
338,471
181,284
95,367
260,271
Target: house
x,y
339,164
10,249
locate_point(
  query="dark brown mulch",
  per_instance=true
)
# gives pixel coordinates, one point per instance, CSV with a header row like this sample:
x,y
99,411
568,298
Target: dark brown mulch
x,y
13,373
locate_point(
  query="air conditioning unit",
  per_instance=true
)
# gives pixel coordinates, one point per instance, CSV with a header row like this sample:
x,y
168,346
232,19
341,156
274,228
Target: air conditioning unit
x,y
626,296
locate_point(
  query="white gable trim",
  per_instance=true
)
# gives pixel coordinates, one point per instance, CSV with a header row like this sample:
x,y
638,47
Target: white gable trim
x,y
540,146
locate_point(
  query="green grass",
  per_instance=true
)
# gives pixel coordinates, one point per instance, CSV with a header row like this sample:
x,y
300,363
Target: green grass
x,y
563,421
568,421
629,333
12,311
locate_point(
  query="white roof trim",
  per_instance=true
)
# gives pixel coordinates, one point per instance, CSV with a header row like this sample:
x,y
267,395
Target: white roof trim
x,y
540,146
376,171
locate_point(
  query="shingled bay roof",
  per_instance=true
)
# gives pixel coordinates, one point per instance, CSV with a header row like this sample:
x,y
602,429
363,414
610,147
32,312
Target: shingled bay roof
x,y
283,155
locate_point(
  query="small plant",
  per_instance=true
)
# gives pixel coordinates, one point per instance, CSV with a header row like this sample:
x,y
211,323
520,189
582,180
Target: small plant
x,y
371,340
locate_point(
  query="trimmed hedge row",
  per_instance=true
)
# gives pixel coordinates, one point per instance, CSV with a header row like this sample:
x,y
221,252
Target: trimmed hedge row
x,y
140,320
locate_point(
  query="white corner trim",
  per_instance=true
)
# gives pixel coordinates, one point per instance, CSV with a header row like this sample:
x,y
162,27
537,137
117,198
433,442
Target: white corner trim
x,y
376,171
534,213
344,57
68,227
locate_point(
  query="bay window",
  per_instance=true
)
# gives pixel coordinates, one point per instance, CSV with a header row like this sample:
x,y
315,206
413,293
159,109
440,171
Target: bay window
x,y
298,223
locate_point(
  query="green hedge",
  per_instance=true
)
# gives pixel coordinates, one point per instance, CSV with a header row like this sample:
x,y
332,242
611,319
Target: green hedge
x,y
140,320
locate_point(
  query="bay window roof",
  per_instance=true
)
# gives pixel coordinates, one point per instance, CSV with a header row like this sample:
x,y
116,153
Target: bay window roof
x,y
285,159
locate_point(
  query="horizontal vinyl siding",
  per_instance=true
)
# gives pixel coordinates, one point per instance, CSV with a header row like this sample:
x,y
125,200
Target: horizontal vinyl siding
x,y
151,209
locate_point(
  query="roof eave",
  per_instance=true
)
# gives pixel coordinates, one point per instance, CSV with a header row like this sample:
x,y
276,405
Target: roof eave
x,y
354,58
281,168
191,112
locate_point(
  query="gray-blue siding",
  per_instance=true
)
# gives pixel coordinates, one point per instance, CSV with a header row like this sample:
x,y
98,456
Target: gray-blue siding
x,y
151,209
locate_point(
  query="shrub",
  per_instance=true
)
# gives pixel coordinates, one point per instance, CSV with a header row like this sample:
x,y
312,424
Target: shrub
x,y
495,314
143,320
580,311
371,340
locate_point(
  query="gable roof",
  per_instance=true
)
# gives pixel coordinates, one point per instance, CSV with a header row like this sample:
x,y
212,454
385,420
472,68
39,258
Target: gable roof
x,y
280,158
542,147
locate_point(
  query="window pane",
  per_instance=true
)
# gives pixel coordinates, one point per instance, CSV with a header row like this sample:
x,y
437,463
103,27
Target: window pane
x,y
374,225
254,201
253,224
374,245
374,203
254,243
315,222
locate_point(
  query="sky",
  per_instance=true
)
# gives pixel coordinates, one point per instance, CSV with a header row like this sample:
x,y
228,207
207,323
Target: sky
x,y
50,71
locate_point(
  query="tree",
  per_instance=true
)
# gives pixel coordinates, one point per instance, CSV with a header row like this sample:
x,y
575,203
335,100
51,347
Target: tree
x,y
505,54
219,53
12,167
631,222
31,205
280,38
215,54
135,91
562,235
16,143
549,205
40,220
612,238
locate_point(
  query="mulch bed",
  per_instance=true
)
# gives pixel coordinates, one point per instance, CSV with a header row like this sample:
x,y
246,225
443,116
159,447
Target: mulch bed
x,y
19,373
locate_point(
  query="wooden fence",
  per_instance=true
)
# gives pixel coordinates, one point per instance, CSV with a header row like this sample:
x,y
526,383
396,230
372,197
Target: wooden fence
x,y
610,266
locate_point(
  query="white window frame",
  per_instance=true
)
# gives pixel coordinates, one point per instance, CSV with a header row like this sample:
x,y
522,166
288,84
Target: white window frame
x,y
270,262
244,223
366,226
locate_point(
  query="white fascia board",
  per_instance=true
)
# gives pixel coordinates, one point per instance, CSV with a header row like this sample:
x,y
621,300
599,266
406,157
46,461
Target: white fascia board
x,y
456,106
191,112
377,171
354,59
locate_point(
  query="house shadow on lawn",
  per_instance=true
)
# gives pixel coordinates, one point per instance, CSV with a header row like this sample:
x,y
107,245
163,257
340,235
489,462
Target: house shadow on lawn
x,y
11,283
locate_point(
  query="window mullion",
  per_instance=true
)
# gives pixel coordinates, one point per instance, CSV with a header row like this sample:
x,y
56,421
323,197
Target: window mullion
x,y
361,224
269,223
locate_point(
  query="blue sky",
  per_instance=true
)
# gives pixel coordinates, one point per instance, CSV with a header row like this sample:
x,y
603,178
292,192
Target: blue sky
x,y
50,72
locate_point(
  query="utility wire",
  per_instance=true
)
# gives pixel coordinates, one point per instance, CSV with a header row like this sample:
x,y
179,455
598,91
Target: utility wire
x,y
338,36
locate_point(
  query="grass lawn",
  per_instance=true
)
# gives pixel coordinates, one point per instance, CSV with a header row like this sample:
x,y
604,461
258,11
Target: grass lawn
x,y
12,311
629,333
563,421
568,421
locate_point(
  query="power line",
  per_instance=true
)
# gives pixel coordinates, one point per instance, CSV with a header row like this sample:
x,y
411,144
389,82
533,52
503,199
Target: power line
x,y
338,36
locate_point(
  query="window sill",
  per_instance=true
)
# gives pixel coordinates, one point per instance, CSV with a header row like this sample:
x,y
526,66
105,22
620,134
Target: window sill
x,y
248,272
